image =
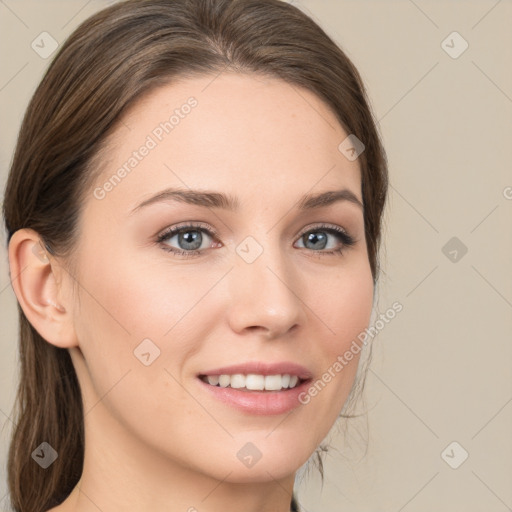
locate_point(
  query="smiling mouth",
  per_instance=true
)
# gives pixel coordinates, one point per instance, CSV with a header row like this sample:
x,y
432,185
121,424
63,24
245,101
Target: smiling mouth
x,y
253,382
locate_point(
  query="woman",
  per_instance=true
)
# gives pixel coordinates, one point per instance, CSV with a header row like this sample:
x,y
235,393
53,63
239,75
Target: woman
x,y
194,214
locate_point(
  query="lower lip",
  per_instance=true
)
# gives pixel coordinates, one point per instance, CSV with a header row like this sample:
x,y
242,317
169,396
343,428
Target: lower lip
x,y
260,403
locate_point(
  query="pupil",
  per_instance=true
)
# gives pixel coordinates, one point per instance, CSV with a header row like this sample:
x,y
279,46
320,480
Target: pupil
x,y
314,238
191,240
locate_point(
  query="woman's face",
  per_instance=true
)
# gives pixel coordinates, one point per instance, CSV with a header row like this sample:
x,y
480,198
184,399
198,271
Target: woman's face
x,y
266,287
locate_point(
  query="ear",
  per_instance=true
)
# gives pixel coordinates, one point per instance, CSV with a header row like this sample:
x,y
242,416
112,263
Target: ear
x,y
40,285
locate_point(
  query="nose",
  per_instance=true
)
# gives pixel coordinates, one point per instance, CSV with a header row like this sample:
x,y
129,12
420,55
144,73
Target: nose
x,y
265,296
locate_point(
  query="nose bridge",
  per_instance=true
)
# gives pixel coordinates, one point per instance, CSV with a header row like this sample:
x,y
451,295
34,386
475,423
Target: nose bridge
x,y
263,287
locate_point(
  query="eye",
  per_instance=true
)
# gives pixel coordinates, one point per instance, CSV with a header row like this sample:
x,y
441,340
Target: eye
x,y
318,239
191,239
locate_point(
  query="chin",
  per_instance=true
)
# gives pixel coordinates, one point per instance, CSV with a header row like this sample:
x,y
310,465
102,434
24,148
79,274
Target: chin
x,y
261,460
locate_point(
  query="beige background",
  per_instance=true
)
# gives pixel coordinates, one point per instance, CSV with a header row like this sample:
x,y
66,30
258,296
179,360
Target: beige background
x,y
442,369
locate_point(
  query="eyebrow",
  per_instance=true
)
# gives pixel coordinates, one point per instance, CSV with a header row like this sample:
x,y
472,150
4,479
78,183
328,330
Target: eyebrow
x,y
212,199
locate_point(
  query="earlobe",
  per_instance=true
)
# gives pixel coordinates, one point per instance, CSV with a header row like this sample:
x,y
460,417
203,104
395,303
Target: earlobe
x,y
38,281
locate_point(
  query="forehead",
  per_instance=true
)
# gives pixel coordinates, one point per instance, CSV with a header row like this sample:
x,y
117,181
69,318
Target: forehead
x,y
244,133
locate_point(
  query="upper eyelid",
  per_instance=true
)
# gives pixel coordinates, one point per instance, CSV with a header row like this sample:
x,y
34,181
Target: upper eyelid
x,y
172,230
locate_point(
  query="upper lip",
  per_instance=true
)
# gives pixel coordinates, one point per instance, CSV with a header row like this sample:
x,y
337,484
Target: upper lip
x,y
263,368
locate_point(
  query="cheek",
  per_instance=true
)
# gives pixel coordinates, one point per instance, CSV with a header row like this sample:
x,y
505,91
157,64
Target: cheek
x,y
131,307
344,307
128,311
347,302
137,299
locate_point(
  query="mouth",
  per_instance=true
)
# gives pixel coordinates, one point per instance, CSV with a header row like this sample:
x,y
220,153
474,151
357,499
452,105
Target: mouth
x,y
257,387
254,382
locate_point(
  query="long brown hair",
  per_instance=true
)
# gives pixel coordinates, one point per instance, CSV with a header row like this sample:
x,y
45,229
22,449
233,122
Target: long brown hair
x,y
105,65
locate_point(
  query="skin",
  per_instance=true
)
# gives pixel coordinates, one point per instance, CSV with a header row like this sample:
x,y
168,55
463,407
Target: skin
x,y
155,440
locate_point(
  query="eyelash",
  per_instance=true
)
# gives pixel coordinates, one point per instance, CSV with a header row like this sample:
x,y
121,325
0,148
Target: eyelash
x,y
346,239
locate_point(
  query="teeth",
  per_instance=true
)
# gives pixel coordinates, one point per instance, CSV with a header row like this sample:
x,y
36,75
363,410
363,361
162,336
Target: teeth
x,y
273,382
237,381
254,382
224,381
213,380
